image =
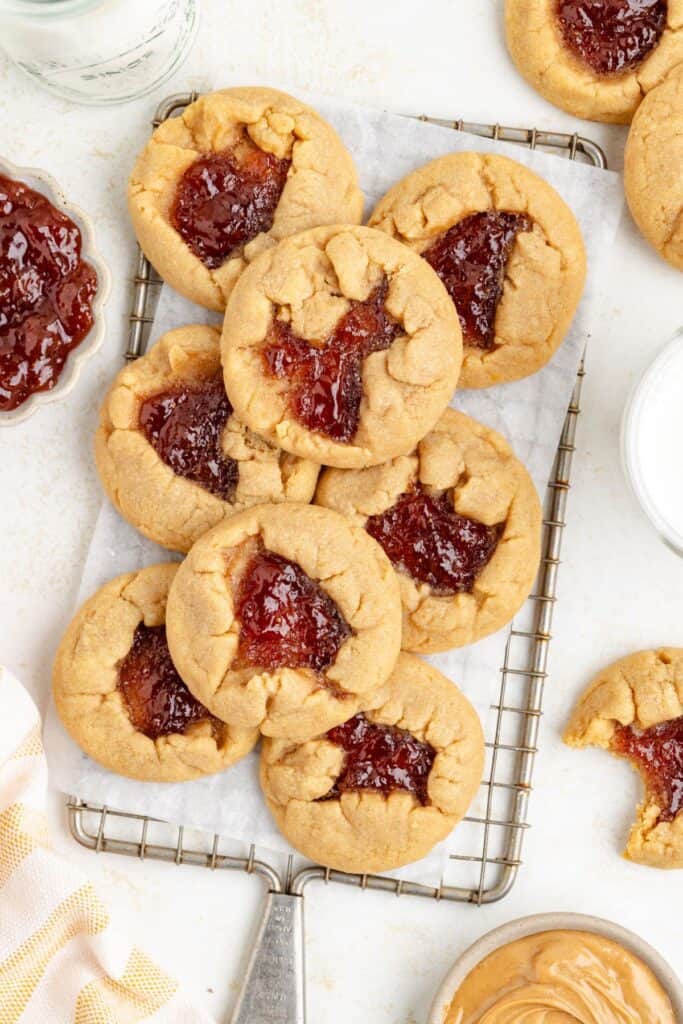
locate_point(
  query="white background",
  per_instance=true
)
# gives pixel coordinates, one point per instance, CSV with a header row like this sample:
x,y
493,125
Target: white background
x,y
370,956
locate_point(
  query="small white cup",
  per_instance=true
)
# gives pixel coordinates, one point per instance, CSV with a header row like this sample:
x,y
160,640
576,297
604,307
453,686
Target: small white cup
x,y
657,399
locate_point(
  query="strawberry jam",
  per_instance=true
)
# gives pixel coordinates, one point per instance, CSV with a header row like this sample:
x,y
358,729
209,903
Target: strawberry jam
x,y
657,752
46,292
286,619
185,426
424,537
156,699
611,35
326,378
225,199
470,258
382,758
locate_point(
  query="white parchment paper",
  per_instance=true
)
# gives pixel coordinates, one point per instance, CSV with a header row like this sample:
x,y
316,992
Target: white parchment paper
x,y
530,413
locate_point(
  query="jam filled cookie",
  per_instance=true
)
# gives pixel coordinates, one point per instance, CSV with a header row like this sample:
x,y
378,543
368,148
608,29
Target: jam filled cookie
x,y
173,458
653,168
595,58
341,346
508,250
285,618
461,522
634,709
120,697
239,169
382,789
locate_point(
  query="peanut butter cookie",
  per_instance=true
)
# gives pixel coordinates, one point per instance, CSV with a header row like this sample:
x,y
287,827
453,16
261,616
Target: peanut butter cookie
x,y
382,789
634,708
507,248
120,697
238,170
171,455
595,58
285,618
653,168
341,346
461,522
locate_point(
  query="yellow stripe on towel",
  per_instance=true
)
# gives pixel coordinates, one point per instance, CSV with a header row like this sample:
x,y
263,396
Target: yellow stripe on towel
x,y
141,990
80,914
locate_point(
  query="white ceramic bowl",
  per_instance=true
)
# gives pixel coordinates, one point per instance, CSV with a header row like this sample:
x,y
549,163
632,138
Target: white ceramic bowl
x,y
525,926
42,182
639,440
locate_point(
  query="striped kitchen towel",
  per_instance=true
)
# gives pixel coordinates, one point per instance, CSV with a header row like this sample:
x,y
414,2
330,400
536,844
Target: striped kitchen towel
x,y
63,957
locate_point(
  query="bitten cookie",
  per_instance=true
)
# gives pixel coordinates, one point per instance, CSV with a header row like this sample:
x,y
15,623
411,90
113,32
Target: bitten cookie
x,y
238,170
634,708
120,697
381,790
285,618
653,168
507,248
595,58
341,346
461,522
171,455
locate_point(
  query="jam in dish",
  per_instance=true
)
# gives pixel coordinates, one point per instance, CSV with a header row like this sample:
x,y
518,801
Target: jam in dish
x,y
185,427
425,538
611,35
156,699
326,379
382,758
470,258
46,293
225,199
657,752
286,619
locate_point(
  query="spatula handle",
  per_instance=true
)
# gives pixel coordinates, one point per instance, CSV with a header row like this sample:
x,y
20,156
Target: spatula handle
x,y
273,991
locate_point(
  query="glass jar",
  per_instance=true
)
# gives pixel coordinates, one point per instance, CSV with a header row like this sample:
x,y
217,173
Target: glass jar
x,y
651,432
98,51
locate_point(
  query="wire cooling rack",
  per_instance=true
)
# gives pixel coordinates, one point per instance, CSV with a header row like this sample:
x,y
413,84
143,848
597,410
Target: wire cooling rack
x,y
488,845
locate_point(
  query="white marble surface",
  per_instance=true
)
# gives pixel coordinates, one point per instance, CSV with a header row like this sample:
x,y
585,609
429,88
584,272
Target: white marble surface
x,y
370,957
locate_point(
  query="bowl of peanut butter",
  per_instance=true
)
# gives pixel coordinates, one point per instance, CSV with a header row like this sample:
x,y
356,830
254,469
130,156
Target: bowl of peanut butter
x,y
562,968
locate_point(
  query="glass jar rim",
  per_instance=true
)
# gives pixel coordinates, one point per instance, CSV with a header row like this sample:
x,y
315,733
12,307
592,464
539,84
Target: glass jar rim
x,y
45,8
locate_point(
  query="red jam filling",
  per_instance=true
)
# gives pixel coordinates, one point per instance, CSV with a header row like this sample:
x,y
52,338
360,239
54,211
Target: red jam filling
x,y
223,200
611,35
382,758
326,378
156,699
286,619
46,292
470,258
658,754
424,537
185,427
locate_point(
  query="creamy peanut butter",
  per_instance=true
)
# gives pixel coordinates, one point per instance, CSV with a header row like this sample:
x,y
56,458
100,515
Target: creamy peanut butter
x,y
561,977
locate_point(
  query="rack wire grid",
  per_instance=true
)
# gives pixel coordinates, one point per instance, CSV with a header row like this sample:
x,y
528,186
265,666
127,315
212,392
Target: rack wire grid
x,y
485,863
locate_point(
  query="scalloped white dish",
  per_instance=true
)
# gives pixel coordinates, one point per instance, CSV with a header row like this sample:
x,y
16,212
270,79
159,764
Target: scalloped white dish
x,y
525,926
42,182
